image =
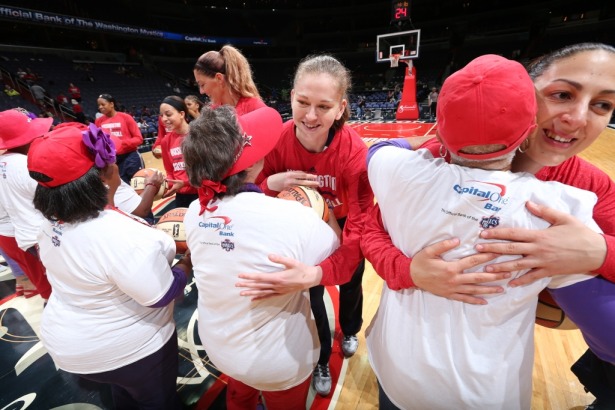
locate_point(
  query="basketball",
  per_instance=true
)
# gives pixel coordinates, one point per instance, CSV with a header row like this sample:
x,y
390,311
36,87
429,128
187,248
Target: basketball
x,y
549,314
138,182
172,223
308,197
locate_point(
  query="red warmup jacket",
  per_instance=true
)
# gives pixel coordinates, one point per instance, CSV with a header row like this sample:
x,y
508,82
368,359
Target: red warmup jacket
x,y
342,173
173,161
124,127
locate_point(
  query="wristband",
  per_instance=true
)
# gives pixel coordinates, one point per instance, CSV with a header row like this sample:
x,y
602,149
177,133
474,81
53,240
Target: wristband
x,y
152,184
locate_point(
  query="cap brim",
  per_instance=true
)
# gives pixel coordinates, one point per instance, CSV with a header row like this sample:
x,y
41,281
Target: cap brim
x,y
496,154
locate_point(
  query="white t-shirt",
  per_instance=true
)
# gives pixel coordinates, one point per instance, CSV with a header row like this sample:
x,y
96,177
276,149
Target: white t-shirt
x,y
16,194
6,227
104,273
271,344
431,352
126,198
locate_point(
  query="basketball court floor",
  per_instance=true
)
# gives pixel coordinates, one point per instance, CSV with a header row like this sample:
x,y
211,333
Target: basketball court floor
x,y
29,378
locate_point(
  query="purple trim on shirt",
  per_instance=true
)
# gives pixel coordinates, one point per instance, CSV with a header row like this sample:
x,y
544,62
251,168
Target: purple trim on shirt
x,y
176,289
393,142
250,187
591,305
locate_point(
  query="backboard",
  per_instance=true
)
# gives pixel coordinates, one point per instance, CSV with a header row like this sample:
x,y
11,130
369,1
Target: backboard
x,y
405,43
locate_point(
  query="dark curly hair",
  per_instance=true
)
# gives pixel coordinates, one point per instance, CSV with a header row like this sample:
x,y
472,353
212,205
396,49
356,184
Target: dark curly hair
x,y
76,201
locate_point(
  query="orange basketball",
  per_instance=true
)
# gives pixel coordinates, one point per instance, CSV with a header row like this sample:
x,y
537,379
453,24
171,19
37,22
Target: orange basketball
x,y
138,182
549,314
172,223
308,197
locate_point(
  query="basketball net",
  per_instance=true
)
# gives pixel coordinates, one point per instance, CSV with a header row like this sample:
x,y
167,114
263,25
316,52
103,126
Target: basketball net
x,y
395,60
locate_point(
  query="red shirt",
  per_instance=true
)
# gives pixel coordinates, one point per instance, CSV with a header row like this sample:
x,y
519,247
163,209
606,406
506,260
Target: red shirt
x,y
342,173
173,161
124,127
74,92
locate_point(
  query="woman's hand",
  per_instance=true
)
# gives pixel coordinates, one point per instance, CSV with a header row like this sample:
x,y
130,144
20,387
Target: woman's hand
x,y
156,178
296,277
177,185
566,247
157,152
280,181
431,273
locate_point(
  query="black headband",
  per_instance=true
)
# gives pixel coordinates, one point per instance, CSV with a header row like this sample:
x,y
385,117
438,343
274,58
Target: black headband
x,y
107,97
206,65
178,105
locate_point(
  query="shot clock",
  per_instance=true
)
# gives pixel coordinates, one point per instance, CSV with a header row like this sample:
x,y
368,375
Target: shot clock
x,y
400,11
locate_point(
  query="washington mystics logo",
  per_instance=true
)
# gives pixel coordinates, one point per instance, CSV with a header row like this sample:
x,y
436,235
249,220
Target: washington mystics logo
x,y
489,222
227,245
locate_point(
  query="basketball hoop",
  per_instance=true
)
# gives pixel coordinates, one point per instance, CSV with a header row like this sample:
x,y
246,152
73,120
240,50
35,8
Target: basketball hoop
x,y
395,60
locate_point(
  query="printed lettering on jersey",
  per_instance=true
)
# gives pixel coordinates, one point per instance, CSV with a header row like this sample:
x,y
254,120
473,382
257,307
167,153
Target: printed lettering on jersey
x,y
176,151
216,225
57,228
227,245
179,166
494,194
331,202
113,128
324,181
209,243
3,169
223,228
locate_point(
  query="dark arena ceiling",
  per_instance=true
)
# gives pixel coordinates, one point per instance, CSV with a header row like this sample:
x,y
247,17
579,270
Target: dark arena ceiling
x,y
296,28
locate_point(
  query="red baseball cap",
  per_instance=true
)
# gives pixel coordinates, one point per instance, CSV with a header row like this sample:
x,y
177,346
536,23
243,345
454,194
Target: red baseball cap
x,y
261,131
17,129
491,100
62,156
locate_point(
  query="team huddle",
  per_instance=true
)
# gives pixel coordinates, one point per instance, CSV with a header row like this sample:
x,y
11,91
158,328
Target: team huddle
x,y
466,229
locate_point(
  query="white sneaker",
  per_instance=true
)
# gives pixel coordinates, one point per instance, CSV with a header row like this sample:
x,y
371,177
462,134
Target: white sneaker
x,y
321,379
350,344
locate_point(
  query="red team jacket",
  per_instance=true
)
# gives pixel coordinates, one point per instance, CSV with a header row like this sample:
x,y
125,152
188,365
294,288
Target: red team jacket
x,y
342,174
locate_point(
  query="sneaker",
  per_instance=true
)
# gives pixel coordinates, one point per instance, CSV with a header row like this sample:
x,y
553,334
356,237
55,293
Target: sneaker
x,y
350,345
321,379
